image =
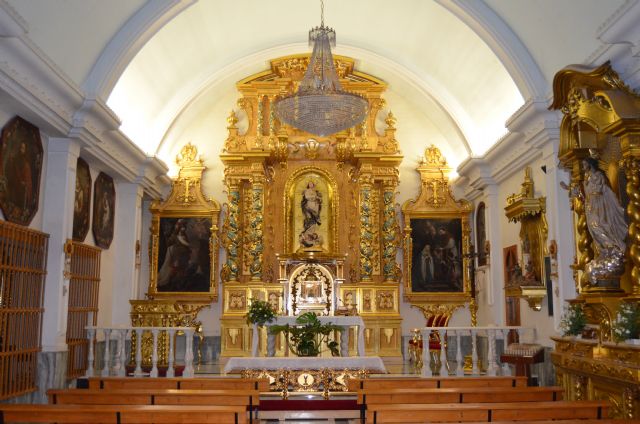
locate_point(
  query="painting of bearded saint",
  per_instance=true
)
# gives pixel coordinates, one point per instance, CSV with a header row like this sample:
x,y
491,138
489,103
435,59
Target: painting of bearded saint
x,y
183,256
311,214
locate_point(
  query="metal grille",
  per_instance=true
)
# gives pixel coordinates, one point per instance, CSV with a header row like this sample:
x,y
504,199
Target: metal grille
x,y
83,304
23,254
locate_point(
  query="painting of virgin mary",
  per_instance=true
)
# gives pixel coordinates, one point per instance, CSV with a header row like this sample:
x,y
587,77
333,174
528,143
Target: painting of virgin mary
x,y
104,203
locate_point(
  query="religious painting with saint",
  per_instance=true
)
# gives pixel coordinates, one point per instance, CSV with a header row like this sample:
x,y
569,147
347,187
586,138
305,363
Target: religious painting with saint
x,y
436,260
183,255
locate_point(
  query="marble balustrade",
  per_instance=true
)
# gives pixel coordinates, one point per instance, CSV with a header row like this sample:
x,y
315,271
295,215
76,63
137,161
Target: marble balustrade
x,y
115,365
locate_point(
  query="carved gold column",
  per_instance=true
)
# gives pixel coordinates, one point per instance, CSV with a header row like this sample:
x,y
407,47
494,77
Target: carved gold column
x,y
389,231
583,239
366,227
256,245
231,268
630,144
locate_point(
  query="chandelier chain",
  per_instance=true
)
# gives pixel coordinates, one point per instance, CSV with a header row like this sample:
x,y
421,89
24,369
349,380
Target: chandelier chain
x,y
321,13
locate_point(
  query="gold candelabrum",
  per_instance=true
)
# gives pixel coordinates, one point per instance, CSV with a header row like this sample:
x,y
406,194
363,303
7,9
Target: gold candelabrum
x,y
601,121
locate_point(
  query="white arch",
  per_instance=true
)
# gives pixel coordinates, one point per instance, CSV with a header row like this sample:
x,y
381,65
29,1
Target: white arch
x,y
506,45
127,42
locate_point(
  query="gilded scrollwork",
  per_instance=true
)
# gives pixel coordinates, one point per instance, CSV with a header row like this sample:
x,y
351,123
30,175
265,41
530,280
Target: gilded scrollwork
x,y
366,229
256,231
231,268
632,172
389,232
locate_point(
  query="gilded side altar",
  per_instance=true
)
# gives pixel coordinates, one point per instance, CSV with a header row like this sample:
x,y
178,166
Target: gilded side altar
x,y
328,201
601,125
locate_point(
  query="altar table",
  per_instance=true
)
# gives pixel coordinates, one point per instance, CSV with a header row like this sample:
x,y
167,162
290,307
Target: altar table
x,y
369,363
343,321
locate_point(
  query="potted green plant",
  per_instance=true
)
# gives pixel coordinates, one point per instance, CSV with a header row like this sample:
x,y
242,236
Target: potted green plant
x,y
307,336
626,326
573,320
260,312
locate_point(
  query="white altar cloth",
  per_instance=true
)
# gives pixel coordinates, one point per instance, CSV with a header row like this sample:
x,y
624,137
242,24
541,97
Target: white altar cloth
x,y
341,320
371,363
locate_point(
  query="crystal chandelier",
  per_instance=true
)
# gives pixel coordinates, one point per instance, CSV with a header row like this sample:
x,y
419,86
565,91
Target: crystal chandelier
x,y
320,106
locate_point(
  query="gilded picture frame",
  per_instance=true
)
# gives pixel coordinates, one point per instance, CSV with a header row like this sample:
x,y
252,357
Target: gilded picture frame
x,y
183,248
438,220
311,207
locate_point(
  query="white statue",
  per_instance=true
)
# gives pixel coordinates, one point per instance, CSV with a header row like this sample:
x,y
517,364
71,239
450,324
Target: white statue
x,y
606,223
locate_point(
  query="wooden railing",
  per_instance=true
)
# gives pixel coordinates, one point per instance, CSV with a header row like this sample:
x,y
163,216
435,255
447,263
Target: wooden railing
x,y
23,254
454,334
116,366
84,285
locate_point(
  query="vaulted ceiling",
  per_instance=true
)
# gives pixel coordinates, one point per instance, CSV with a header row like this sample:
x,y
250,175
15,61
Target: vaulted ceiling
x,y
456,70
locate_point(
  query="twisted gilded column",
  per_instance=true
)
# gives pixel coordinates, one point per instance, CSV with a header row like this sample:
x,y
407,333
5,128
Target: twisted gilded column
x,y
366,228
632,172
389,232
584,240
231,268
256,235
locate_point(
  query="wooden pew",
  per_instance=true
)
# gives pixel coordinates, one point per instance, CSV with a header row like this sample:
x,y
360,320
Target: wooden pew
x,y
142,414
436,382
250,399
154,397
460,395
177,383
485,412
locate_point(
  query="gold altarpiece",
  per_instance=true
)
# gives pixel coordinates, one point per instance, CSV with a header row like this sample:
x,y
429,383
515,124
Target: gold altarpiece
x,y
272,170
601,119
437,209
183,250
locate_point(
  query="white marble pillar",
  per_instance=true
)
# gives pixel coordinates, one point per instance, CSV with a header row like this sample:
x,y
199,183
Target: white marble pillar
x,y
495,284
59,191
128,218
560,229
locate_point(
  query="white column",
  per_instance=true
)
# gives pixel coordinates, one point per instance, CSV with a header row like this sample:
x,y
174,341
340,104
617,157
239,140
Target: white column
x,y
57,221
128,218
495,289
559,219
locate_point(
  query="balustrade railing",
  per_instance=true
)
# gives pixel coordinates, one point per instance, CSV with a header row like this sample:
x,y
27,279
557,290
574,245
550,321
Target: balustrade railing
x,y
447,335
115,365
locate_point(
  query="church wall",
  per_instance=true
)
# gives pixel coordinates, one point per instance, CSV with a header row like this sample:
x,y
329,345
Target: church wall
x,y
510,235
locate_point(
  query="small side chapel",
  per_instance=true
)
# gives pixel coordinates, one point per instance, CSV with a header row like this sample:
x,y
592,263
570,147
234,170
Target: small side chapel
x,y
193,199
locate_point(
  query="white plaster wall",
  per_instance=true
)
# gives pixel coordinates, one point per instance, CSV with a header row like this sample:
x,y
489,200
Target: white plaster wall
x,y
542,322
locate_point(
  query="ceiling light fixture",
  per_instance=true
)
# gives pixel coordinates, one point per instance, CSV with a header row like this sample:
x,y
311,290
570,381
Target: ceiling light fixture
x,y
321,106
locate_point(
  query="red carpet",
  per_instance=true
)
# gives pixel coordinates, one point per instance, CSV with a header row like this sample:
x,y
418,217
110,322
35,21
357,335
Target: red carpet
x,y
308,405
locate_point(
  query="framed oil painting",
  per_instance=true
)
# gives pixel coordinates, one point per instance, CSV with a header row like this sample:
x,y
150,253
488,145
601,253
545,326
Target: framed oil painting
x,y
436,255
183,263
21,167
183,249
311,208
82,201
437,240
104,204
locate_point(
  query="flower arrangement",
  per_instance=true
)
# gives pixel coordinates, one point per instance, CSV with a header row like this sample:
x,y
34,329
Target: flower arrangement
x,y
308,335
573,320
260,312
627,323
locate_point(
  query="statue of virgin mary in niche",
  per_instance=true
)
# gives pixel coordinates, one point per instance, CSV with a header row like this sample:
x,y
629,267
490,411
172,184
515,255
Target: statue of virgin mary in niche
x,y
311,206
607,226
